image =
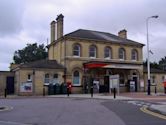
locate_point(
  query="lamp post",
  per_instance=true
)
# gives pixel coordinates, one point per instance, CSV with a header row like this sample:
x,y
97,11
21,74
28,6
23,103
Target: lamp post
x,y
148,62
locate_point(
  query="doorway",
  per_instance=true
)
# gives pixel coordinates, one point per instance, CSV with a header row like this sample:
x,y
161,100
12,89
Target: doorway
x,y
135,80
10,85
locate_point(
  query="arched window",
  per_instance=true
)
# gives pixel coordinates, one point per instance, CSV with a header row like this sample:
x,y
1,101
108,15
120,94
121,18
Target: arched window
x,y
122,53
134,55
107,52
76,50
76,78
92,51
29,77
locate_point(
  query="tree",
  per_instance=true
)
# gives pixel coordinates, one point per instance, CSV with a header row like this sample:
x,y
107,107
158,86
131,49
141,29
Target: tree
x,y
152,64
30,53
162,63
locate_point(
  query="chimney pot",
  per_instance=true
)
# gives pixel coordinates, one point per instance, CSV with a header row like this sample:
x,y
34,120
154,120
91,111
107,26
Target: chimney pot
x,y
59,20
123,34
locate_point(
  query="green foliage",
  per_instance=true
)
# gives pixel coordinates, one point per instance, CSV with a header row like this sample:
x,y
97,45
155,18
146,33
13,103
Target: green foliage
x,y
157,65
152,65
162,63
30,53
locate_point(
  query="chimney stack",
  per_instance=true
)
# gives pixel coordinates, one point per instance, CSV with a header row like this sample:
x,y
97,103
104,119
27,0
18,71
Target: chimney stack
x,y
53,31
59,20
123,34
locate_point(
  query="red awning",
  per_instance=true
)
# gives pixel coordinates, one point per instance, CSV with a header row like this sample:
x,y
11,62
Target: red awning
x,y
94,65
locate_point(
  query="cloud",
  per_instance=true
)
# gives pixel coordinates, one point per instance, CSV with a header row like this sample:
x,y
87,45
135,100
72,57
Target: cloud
x,y
11,17
28,21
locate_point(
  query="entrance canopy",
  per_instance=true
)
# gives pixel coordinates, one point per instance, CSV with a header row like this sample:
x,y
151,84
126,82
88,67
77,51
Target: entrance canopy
x,y
91,65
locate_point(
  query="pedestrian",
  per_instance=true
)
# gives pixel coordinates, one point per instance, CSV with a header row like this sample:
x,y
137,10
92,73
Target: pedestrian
x,y
164,86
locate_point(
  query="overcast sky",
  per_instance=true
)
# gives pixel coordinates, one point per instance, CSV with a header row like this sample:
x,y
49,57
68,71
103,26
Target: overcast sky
x,y
28,21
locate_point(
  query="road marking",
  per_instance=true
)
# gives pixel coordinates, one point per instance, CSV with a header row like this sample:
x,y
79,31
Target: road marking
x,y
12,123
145,110
6,108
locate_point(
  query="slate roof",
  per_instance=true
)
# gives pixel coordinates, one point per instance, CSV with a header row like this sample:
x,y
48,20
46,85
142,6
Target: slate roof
x,y
100,36
46,64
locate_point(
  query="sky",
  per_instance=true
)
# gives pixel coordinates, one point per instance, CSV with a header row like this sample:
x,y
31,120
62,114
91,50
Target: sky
x,y
28,21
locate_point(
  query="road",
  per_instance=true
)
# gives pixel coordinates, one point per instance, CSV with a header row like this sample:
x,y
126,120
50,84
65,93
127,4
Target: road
x,y
73,111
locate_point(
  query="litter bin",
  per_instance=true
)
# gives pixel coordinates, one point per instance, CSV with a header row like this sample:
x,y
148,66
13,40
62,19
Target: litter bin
x,y
57,88
50,89
64,88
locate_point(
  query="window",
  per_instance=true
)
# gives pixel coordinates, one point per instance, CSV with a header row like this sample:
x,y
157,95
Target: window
x,y
29,77
121,53
76,50
107,53
76,78
162,79
55,76
134,55
92,51
153,79
46,79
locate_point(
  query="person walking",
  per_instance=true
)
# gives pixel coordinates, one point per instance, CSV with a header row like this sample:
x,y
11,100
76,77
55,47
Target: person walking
x,y
164,86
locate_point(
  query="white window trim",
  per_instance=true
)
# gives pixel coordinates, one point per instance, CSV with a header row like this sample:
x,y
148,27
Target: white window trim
x,y
92,57
76,56
107,58
79,53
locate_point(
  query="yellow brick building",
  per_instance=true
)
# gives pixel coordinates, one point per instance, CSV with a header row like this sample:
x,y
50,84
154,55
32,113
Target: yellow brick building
x,y
32,78
6,82
93,55
85,58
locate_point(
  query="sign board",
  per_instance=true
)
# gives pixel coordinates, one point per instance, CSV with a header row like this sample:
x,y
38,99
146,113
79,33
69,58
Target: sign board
x,y
132,86
26,87
142,83
114,82
96,84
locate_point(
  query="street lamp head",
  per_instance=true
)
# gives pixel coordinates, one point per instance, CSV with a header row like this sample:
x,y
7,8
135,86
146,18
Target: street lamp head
x,y
156,16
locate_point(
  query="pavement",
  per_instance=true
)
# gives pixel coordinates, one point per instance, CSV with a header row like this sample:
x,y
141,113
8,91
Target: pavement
x,y
158,101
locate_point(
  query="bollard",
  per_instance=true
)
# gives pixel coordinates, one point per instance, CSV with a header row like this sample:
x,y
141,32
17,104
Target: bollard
x,y
114,93
155,90
5,93
91,91
68,91
44,91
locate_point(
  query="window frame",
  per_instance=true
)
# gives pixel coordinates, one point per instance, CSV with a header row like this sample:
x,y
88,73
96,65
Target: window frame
x,y
46,80
77,51
107,52
134,54
120,54
93,52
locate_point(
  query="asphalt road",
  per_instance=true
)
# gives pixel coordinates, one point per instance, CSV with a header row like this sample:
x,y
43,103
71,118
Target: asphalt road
x,y
70,111
131,114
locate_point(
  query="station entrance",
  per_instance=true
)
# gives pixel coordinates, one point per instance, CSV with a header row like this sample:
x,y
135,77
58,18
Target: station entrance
x,y
98,75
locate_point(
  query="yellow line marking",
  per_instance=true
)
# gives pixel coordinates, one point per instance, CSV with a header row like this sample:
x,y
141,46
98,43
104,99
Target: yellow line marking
x,y
145,110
